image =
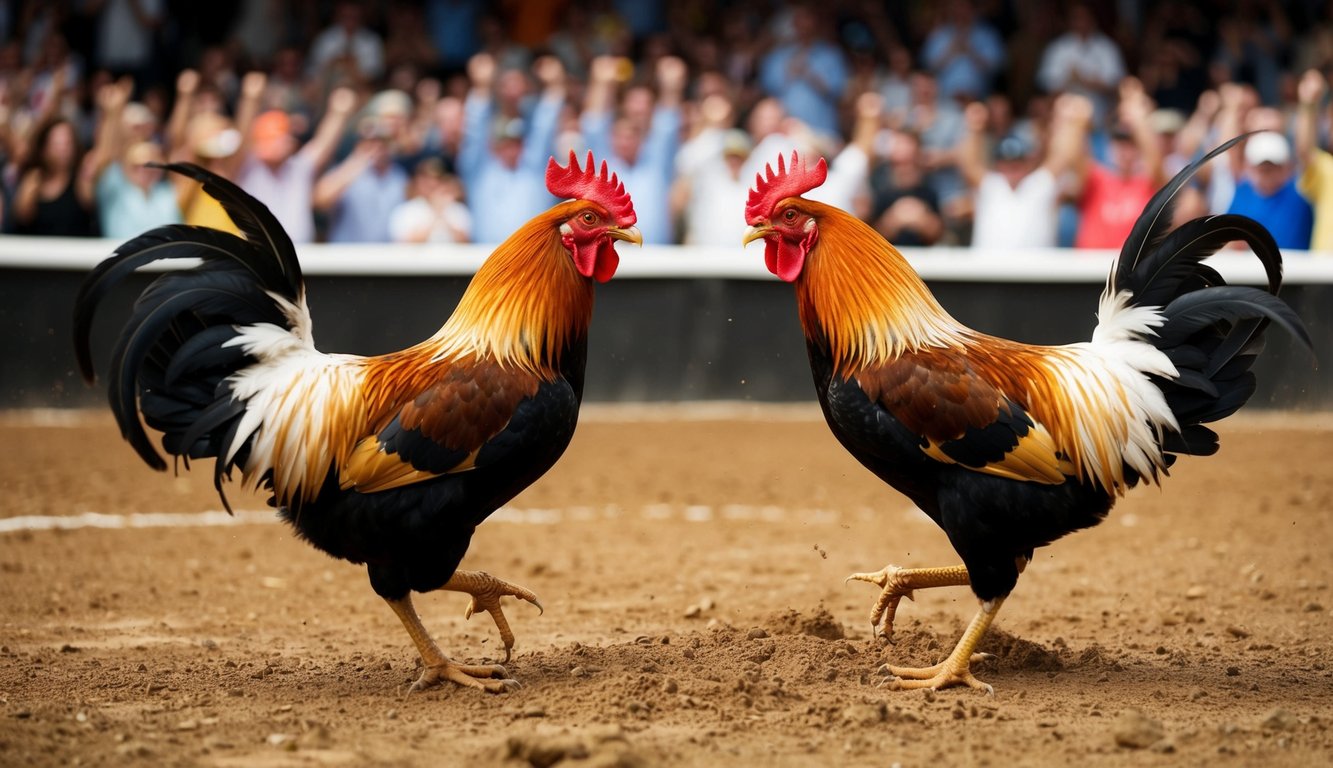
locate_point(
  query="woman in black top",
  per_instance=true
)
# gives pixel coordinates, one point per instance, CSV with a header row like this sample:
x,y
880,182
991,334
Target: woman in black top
x,y
54,196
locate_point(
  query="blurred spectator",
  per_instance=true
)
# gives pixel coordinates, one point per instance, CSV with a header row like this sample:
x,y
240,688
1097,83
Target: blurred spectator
x,y
393,113
280,172
1234,105
794,71
963,52
938,122
503,164
1267,192
643,17
407,43
896,86
1316,181
55,193
361,192
1251,45
442,137
200,133
772,131
906,210
1111,197
288,89
434,211
710,189
1016,200
1177,39
259,28
125,34
453,25
807,75
848,183
131,197
640,146
1083,61
347,52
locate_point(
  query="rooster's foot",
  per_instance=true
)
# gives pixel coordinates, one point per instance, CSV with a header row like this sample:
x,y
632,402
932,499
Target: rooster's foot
x,y
491,678
943,675
486,591
896,583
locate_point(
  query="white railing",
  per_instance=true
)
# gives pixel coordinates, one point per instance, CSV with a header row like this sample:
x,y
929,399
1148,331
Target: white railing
x,y
1053,265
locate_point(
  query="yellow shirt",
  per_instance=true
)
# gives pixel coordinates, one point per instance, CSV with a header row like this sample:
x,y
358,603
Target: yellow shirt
x,y
1316,184
205,211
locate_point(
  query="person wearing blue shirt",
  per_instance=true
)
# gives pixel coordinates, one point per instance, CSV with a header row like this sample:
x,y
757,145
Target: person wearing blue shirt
x,y
361,192
1268,192
963,53
503,167
132,197
807,75
643,156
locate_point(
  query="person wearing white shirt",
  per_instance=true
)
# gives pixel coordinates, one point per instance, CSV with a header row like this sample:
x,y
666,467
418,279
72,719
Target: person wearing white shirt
x,y
347,45
1017,196
435,213
1083,61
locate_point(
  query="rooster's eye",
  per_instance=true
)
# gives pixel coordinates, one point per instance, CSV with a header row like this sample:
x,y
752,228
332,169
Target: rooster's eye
x,y
588,218
790,215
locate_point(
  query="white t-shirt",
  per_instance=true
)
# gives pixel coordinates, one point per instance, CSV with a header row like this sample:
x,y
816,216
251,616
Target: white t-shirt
x,y
715,213
1016,217
412,216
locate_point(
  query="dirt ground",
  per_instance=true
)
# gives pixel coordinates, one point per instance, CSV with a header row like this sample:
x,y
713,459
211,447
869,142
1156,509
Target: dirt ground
x,y
691,561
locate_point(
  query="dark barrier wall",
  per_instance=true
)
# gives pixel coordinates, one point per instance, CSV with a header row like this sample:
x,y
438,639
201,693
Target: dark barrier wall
x,y
652,339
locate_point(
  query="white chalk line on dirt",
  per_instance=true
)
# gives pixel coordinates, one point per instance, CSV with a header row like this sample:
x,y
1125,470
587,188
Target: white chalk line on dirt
x,y
693,513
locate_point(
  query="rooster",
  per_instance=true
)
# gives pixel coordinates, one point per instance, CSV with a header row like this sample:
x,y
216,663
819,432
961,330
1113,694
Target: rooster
x,y
393,460
1009,446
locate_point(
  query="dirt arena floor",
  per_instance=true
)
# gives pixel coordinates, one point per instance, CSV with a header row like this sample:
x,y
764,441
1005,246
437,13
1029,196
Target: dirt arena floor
x,y
691,561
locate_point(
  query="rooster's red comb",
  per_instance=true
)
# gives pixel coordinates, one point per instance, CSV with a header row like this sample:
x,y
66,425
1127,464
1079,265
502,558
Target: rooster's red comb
x,y
585,184
787,182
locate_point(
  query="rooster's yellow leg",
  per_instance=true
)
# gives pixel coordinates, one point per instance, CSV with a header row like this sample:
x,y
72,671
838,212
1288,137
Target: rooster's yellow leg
x,y
487,677
897,583
955,670
486,591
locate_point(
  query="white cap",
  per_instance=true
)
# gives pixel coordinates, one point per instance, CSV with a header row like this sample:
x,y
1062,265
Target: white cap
x,y
1267,147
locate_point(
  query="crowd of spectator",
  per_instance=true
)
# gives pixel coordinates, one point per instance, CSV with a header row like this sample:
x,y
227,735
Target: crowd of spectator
x,y
995,123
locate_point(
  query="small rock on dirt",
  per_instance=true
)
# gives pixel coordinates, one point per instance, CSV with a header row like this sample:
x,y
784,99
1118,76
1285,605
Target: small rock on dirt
x,y
1135,730
1279,719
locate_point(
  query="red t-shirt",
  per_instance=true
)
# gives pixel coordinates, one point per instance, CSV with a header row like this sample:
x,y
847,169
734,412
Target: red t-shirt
x,y
1109,207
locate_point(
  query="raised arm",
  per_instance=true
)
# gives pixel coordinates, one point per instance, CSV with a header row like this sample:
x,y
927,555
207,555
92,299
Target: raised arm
x,y
599,104
1067,147
110,138
663,137
537,144
1310,92
330,130
187,82
1135,106
1229,118
475,145
1191,138
331,186
869,119
972,144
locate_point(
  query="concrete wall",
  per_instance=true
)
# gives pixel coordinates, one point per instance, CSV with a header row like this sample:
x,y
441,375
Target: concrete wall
x,y
655,337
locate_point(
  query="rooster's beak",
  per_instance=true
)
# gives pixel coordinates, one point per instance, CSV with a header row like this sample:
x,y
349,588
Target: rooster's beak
x,y
628,234
756,232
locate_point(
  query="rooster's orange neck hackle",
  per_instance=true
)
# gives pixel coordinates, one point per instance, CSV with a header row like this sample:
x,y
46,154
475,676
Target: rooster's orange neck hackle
x,y
854,290
860,294
533,298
